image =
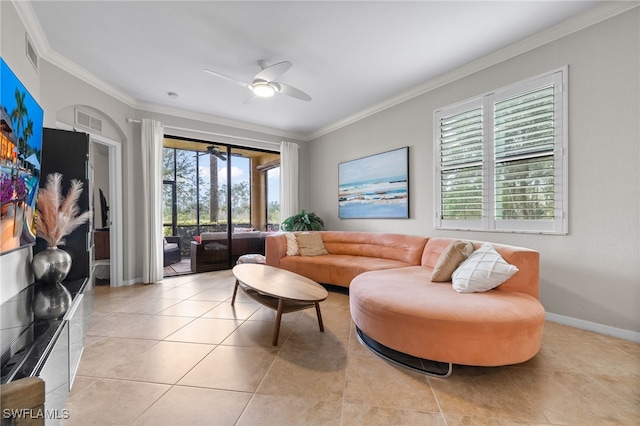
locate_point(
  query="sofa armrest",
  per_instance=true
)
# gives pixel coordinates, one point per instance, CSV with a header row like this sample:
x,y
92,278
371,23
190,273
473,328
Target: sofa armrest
x,y
174,239
275,249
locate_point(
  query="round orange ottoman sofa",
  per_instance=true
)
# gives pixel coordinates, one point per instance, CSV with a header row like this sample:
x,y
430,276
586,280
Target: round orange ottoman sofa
x,y
395,303
404,310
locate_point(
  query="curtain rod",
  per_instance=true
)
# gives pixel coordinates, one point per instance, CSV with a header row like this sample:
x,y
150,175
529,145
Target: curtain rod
x,y
204,132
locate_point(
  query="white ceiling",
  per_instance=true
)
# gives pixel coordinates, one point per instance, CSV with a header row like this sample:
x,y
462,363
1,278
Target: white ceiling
x,y
349,56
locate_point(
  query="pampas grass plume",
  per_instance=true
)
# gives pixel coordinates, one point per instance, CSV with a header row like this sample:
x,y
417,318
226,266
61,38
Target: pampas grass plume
x,y
58,216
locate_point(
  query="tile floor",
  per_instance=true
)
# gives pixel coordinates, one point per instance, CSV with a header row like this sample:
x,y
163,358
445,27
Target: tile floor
x,y
180,268
177,353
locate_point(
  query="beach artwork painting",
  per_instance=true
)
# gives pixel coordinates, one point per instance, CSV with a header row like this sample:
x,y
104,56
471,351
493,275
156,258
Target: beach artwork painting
x,y
376,186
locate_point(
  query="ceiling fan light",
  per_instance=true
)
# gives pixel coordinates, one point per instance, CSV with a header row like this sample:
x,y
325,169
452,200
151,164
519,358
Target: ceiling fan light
x,y
264,90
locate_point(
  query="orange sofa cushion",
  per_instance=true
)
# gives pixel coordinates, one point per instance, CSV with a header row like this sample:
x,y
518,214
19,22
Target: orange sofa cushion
x,y
404,310
350,254
336,269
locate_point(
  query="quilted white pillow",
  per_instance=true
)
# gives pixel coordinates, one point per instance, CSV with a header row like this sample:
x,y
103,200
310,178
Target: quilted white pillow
x,y
483,270
292,244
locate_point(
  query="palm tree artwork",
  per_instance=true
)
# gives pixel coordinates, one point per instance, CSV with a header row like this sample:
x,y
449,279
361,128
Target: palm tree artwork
x,y
18,116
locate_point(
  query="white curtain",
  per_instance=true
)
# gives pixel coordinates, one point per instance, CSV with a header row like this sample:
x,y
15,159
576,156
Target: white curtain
x,y
288,180
152,246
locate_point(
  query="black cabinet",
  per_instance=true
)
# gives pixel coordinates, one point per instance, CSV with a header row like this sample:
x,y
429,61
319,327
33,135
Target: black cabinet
x,y
67,153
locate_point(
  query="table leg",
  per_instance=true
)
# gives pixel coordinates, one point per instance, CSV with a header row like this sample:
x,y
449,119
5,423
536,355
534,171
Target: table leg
x,y
319,316
235,291
276,331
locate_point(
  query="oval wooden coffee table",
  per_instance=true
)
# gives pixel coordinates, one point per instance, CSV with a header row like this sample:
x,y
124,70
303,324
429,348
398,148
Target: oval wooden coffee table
x,y
278,289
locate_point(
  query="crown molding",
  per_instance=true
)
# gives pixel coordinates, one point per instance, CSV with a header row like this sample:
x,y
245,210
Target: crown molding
x,y
32,25
70,67
217,120
598,13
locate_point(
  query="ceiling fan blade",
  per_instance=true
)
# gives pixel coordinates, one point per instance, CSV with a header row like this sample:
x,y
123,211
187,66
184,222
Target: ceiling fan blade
x,y
214,150
285,89
249,99
272,72
226,77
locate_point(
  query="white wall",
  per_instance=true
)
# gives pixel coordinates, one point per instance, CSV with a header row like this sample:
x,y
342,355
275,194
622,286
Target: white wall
x,y
60,93
15,266
592,274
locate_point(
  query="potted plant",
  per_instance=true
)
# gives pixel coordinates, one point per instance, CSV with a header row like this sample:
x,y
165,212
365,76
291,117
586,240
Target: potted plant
x,y
303,221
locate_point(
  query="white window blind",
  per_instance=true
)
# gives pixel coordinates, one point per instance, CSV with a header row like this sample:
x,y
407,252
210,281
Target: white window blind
x,y
524,156
501,159
461,165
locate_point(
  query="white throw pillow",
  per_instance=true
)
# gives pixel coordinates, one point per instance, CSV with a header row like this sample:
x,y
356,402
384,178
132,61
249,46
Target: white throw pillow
x,y
210,236
483,270
292,244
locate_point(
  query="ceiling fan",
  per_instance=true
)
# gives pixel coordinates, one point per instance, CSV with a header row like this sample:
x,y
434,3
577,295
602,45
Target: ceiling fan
x,y
214,150
264,84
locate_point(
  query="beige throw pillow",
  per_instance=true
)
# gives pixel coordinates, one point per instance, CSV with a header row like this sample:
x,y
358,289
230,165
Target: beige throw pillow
x,y
451,257
292,244
311,244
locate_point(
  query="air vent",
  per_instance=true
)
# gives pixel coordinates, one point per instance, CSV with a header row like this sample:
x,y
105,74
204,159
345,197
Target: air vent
x,y
31,52
88,121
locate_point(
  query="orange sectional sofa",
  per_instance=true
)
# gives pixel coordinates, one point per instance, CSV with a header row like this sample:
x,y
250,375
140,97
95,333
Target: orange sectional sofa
x,y
394,302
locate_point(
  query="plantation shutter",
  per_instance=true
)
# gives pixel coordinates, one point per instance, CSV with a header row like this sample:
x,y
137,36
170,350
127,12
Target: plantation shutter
x,y
524,156
461,171
501,159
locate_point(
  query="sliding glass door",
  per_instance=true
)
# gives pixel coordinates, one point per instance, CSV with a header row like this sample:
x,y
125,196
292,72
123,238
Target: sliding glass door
x,y
273,198
215,199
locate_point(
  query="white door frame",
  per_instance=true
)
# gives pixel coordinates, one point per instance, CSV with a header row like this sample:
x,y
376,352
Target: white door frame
x,y
115,210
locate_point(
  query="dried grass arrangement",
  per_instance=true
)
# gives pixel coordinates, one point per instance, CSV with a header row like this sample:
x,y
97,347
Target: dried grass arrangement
x,y
58,216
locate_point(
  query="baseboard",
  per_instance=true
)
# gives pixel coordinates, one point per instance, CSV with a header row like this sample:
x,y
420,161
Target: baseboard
x,y
131,282
595,327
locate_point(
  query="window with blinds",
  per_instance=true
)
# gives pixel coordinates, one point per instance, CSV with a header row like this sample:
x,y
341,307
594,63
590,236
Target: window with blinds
x,y
501,159
461,165
524,142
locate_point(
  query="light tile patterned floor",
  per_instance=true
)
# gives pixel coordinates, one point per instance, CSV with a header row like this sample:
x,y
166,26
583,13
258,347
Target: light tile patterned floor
x,y
177,353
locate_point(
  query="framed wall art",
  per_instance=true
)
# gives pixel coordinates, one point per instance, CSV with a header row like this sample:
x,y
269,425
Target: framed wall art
x,y
21,120
376,186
